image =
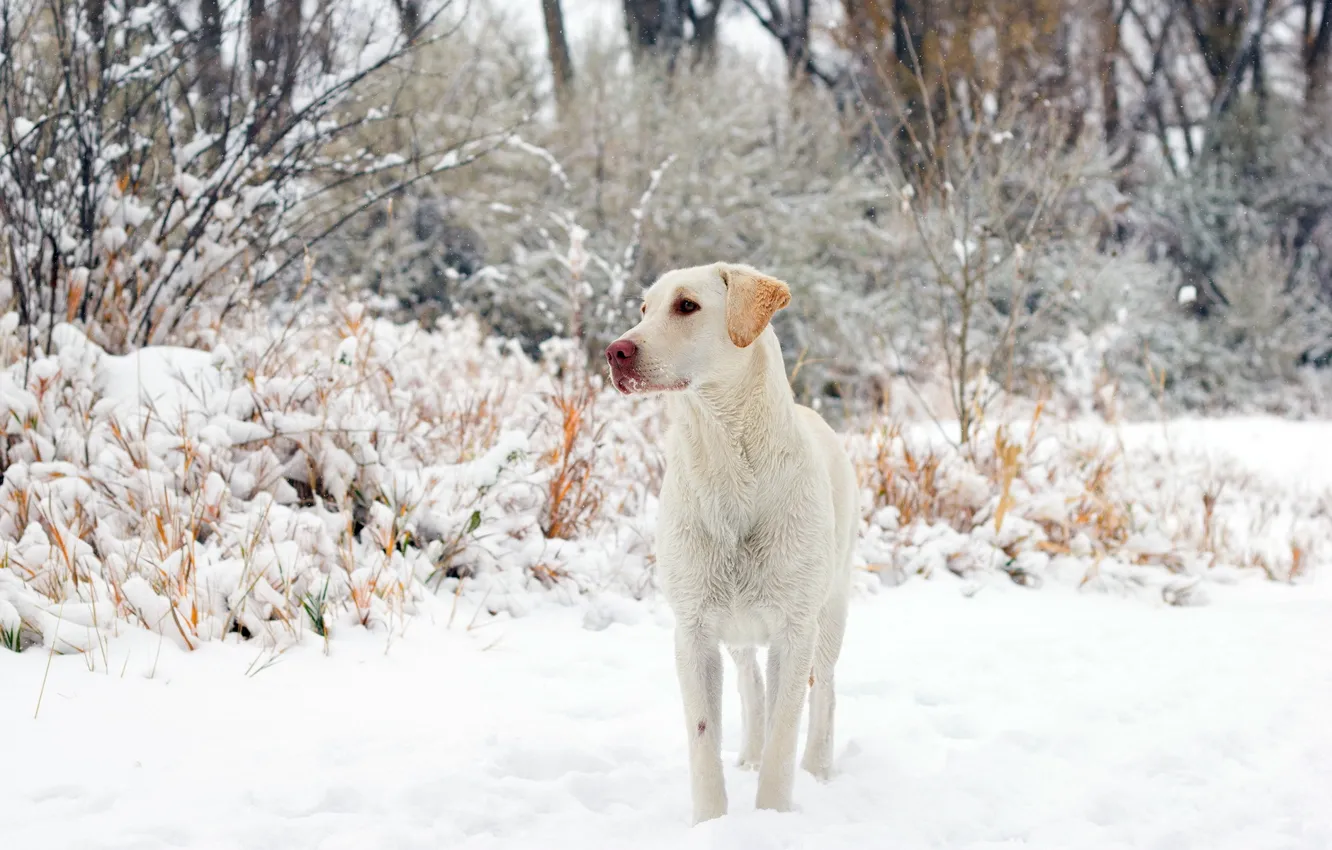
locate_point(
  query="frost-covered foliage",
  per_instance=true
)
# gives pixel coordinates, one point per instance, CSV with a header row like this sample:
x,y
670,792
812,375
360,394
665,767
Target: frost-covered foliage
x,y
995,244
342,463
149,163
1249,355
1263,183
1081,504
1063,262
1239,315
639,175
342,471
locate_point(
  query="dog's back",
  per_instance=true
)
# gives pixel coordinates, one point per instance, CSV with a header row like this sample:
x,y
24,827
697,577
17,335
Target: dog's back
x,y
845,487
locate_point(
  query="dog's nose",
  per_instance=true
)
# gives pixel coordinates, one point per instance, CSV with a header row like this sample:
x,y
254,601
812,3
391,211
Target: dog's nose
x,y
621,352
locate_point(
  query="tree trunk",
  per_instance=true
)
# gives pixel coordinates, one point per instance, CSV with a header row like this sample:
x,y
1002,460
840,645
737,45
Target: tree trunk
x,y
262,66
320,35
642,18
97,19
557,46
1316,43
909,27
1217,28
1110,109
287,52
212,76
656,28
910,24
409,17
1245,56
797,37
672,29
705,31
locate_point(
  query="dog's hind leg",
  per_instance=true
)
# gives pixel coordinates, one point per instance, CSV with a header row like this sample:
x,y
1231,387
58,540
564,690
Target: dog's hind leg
x,y
751,705
790,658
818,758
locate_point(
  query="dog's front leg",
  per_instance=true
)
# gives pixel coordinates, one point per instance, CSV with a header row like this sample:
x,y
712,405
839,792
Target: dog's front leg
x,y
790,658
699,665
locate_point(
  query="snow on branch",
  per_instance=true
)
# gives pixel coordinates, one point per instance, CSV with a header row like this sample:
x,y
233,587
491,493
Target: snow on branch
x,y
149,163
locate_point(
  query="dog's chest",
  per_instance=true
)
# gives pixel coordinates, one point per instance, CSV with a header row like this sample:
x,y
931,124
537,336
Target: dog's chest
x,y
731,557
734,585
737,534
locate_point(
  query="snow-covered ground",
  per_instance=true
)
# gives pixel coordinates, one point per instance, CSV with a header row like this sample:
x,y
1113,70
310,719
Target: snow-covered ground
x,y
1013,718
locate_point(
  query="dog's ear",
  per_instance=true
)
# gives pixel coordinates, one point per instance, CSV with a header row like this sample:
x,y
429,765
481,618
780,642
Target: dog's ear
x,y
751,299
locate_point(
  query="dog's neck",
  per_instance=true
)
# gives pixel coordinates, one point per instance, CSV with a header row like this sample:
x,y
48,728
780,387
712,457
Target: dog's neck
x,y
747,416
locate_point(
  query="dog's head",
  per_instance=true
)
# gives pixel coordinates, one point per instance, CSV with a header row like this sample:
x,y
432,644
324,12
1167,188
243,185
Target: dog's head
x,y
698,325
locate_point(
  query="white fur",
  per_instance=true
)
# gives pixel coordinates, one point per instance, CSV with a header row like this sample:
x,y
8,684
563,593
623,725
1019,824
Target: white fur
x,y
757,527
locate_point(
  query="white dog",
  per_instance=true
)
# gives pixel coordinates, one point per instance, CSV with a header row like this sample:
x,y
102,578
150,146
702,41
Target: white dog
x,y
758,522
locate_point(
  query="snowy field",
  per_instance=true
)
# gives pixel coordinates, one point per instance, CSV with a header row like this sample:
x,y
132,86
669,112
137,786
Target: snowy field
x,y
1009,719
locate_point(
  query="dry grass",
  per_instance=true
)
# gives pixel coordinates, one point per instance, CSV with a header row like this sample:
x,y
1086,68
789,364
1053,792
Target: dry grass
x,y
902,478
342,470
1083,500
573,493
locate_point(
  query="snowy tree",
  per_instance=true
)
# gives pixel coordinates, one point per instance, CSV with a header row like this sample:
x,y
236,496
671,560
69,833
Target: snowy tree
x,y
156,159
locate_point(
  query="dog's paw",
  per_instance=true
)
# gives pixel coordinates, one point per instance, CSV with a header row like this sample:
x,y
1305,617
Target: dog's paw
x,y
819,769
709,796
708,811
775,801
750,761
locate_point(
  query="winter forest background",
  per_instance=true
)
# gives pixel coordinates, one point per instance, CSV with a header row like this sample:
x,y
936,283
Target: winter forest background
x,y
1119,204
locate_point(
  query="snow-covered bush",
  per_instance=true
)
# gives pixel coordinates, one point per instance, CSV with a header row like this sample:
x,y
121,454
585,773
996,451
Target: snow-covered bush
x,y
1238,314
326,473
342,471
996,243
1247,355
636,174
639,175
150,165
1079,504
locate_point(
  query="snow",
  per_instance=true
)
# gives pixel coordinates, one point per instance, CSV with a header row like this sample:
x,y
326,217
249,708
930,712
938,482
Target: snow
x,y
1293,452
22,127
1009,719
166,378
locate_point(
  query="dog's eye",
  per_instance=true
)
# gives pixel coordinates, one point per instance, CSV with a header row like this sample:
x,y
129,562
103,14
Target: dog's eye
x,y
686,306
642,308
